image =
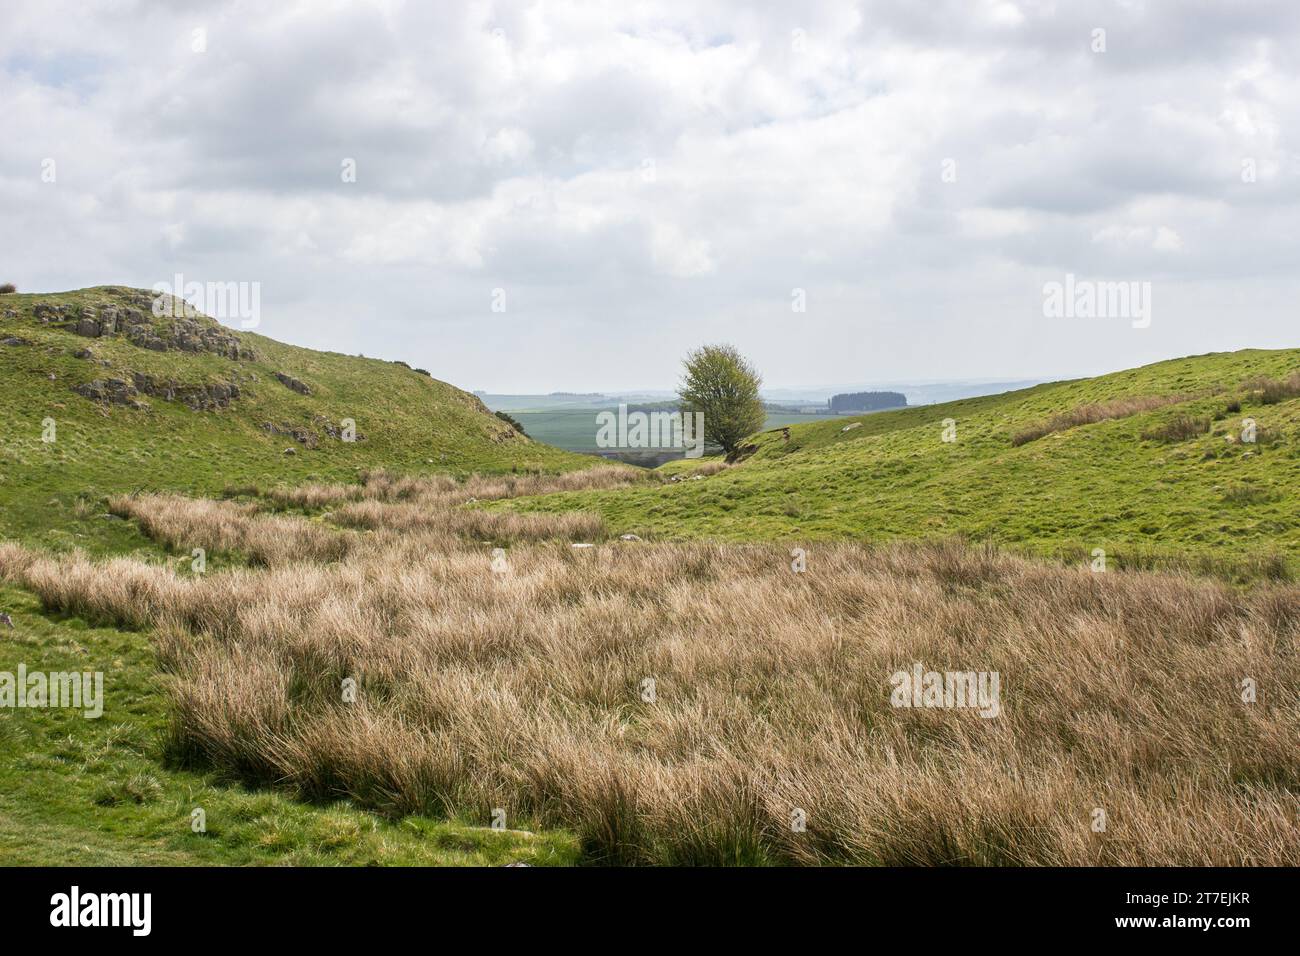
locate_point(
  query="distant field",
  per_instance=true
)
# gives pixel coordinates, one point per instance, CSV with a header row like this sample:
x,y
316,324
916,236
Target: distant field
x,y
575,429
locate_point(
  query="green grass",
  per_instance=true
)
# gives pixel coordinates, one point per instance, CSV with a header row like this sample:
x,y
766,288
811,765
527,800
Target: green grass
x,y
410,423
1092,486
98,791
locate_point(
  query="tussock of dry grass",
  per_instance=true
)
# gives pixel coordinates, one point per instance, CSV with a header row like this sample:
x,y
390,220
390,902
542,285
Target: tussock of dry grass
x,y
1271,391
523,690
379,485
500,527
1095,412
186,523
1179,428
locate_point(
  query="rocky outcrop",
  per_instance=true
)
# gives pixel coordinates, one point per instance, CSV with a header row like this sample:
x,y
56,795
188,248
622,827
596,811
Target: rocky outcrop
x,y
116,391
306,436
334,431
288,381
46,313
200,398
111,391
302,436
189,335
135,321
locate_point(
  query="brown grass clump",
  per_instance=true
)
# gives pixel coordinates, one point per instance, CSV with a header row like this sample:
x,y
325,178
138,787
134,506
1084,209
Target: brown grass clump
x,y
1271,391
501,527
679,703
380,485
186,523
1094,412
1179,428
265,539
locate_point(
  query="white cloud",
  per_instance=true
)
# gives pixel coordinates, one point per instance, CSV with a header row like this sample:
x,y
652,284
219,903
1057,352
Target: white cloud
x,y
644,177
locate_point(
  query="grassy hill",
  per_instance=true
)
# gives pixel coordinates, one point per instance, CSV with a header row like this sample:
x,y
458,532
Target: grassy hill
x,y
1149,460
143,402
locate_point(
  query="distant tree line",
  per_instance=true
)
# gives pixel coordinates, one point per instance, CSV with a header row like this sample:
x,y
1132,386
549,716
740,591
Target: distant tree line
x,y
866,401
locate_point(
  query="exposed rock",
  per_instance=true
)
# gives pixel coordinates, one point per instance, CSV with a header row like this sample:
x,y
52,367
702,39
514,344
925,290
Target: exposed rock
x,y
111,391
84,354
144,337
186,332
288,381
45,312
291,451
14,340
301,435
200,398
188,335
628,537
334,431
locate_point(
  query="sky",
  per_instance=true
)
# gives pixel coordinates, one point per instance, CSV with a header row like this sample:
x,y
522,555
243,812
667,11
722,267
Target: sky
x,y
527,197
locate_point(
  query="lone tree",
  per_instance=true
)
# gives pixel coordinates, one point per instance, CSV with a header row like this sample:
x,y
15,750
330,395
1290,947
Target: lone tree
x,y
722,385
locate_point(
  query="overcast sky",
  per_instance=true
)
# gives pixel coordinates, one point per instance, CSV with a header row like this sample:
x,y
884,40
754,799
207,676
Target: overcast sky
x,y
641,178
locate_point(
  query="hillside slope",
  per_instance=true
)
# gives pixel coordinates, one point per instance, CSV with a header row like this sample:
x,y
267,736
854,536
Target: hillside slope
x,y
138,401
1170,473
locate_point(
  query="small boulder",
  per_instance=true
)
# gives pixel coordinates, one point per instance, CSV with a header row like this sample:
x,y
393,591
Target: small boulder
x,y
288,381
